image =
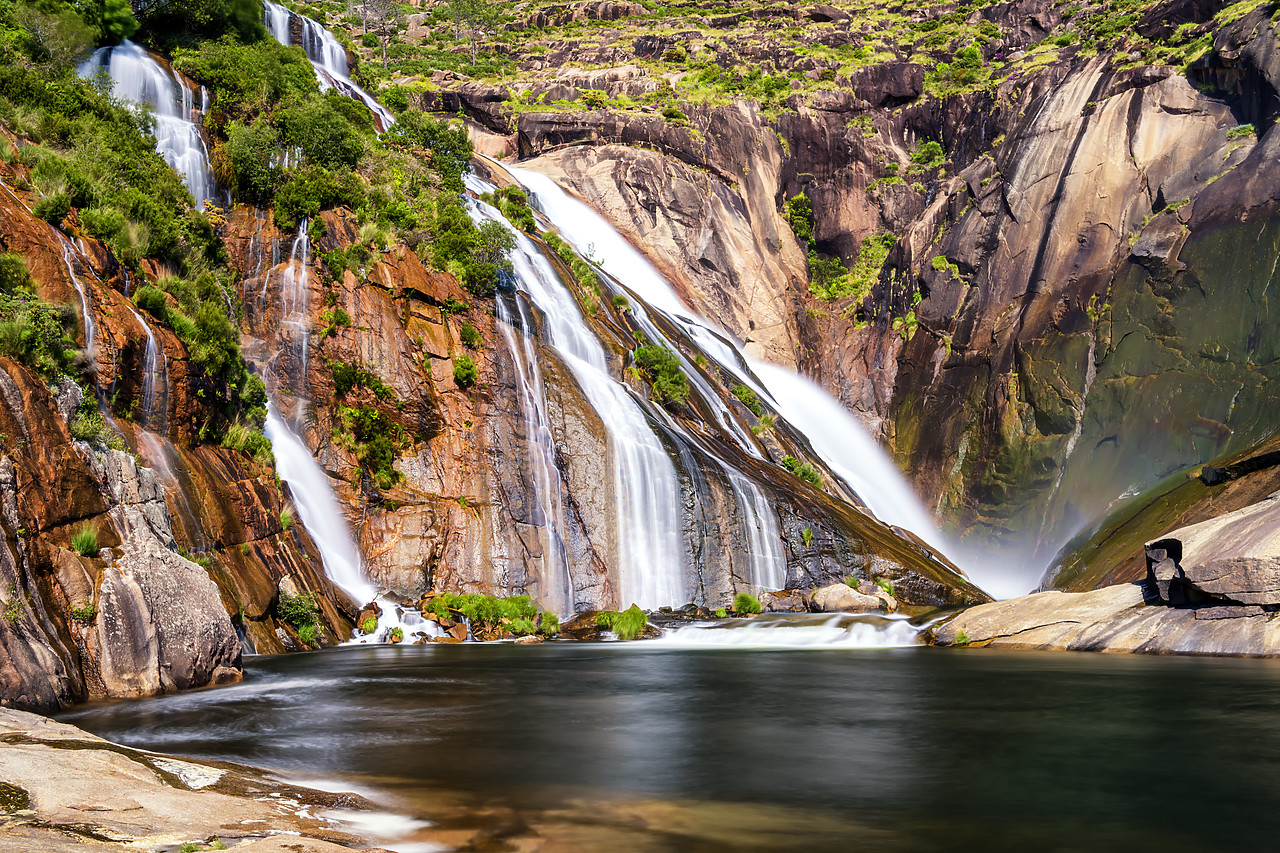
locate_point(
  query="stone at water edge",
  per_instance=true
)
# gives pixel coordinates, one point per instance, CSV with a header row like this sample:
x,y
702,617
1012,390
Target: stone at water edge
x,y
842,598
784,601
528,641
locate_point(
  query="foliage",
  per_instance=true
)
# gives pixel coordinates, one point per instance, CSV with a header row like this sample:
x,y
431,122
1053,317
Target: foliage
x,y
183,23
469,336
319,128
83,612
962,639
374,440
464,371
308,634
397,634
665,374
33,332
247,79
744,603
548,624
348,377
748,398
929,155
85,541
308,190
799,213
516,614
514,204
885,584
286,519
298,610
803,470
369,625
828,279
448,149
628,624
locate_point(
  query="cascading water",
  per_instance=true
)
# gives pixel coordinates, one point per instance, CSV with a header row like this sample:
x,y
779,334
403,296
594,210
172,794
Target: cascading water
x,y
647,536
832,431
86,307
327,55
841,631
137,77
294,304
155,381
764,545
557,592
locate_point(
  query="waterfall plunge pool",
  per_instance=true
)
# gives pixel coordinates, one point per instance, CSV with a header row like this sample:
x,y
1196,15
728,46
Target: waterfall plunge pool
x,y
640,746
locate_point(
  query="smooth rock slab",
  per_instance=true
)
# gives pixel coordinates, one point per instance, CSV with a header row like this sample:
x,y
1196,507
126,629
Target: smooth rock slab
x,y
1112,619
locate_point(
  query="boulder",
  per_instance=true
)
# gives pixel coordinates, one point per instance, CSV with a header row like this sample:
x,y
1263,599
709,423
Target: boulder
x,y
1233,559
841,598
784,601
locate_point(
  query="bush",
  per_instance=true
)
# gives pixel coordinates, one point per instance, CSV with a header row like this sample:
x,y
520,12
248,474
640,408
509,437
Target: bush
x,y
84,612
85,541
298,610
662,366
369,435
33,332
929,155
464,371
803,470
308,634
397,634
322,132
548,624
247,162
627,625
514,204
286,519
748,398
470,337
450,150
799,212
745,604
369,625
311,189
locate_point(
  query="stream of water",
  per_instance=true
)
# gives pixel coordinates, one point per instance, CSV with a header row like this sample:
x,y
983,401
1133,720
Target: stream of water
x,y
646,747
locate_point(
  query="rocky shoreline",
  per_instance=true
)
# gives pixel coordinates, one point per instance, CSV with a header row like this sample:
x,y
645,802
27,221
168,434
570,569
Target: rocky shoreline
x,y
65,789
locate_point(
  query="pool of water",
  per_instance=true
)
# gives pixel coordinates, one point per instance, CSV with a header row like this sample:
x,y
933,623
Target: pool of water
x,y
569,746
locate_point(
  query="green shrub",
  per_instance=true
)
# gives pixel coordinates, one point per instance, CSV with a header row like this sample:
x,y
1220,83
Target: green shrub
x,y
627,624
374,440
33,332
804,471
470,337
929,155
799,213
298,610
448,148
744,603
321,130
314,188
369,40
464,371
514,204
666,377
548,624
369,625
85,541
962,639
347,377
885,584
308,634
246,161
721,613
621,303
286,519
397,634
748,398
84,612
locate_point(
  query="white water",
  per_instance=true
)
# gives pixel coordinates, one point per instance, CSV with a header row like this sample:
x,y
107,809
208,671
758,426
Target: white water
x,y
326,54
155,381
764,543
646,492
557,590
318,508
839,631
137,77
86,307
832,431
294,316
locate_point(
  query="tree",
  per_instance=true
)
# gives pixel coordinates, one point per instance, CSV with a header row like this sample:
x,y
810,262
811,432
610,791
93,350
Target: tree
x,y
116,20
57,38
383,15
476,17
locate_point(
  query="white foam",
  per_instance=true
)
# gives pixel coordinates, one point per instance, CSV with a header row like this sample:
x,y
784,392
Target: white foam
x,y
838,631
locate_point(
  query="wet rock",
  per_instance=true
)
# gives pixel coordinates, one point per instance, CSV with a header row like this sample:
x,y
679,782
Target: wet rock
x,y
528,641
841,598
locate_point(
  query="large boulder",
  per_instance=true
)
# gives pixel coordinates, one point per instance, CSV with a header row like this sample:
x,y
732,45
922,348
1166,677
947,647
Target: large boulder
x,y
1233,559
842,598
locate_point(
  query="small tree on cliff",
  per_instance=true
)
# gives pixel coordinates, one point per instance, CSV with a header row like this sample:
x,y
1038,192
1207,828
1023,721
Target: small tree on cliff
x,y
381,16
476,17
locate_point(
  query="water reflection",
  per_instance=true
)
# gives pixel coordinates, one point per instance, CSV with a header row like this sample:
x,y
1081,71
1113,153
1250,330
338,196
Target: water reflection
x,y
905,748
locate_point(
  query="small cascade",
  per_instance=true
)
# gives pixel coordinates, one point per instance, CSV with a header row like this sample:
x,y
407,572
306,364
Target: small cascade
x,y
327,55
838,631
764,541
155,382
557,591
647,536
294,304
136,76
86,307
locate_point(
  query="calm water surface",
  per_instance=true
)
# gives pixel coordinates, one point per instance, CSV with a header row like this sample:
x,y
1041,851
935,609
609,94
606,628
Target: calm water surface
x,y
623,747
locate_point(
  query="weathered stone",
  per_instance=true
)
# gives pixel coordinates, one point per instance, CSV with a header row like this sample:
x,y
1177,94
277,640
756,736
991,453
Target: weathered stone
x,y
841,598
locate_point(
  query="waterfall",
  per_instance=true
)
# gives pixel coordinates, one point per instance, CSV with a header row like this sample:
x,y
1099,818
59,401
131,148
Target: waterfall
x,y
294,302
832,432
86,307
327,55
764,544
318,508
137,77
557,592
155,381
645,488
